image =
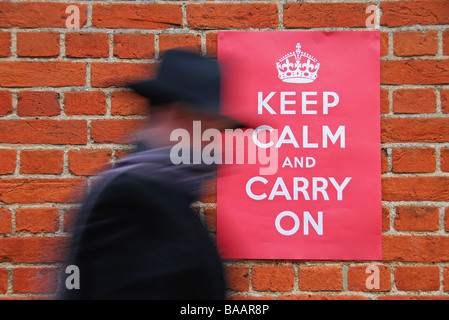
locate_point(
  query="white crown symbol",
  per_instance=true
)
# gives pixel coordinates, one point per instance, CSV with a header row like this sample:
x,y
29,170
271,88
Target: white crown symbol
x,y
297,67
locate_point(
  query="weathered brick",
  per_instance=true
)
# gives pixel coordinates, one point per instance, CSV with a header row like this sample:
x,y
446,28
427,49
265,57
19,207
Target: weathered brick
x,y
38,103
413,218
43,131
415,43
273,278
115,130
119,74
415,188
232,15
237,278
85,103
134,46
414,129
414,101
37,220
5,221
38,44
41,161
35,280
89,161
5,102
5,44
8,161
414,71
37,14
127,103
407,13
86,45
51,74
320,278
320,15
414,278
186,41
358,275
137,16
414,160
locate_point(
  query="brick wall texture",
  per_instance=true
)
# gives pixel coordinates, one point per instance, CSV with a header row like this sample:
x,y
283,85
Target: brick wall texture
x,y
65,115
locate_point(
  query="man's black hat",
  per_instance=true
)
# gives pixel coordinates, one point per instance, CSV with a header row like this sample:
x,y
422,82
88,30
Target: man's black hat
x,y
187,76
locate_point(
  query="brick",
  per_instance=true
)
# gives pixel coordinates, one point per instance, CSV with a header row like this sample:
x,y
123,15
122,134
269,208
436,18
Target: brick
x,y
40,190
325,15
8,161
38,14
211,44
411,218
85,103
321,297
237,278
415,43
69,219
38,103
384,44
115,131
273,278
413,297
248,297
412,278
444,159
210,218
358,275
126,103
5,221
33,249
414,101
41,161
35,280
86,45
38,44
444,100
137,16
320,278
5,44
414,71
134,46
120,153
414,129
89,162
37,220
186,41
209,192
384,101
3,280
384,161
415,248
446,278
119,74
385,219
446,219
446,42
415,188
407,13
43,131
36,74
232,15
407,160
5,103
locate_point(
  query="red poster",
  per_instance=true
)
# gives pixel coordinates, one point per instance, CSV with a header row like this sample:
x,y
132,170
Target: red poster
x,y
308,185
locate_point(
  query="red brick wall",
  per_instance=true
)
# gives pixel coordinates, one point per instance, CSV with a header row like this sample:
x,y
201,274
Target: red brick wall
x,y
64,115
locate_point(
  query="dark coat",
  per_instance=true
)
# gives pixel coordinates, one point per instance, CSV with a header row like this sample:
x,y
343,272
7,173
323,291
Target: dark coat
x,y
139,239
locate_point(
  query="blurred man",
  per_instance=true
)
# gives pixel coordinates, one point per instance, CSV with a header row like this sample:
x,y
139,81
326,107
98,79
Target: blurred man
x,y
136,236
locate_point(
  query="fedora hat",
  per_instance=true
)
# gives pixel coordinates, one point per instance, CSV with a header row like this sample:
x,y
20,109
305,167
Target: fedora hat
x,y
186,76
